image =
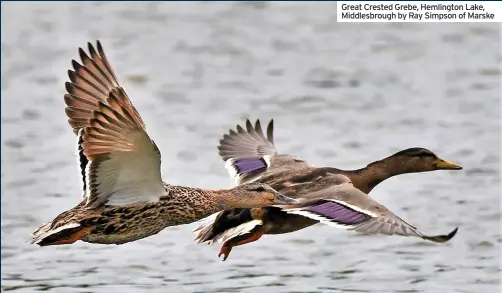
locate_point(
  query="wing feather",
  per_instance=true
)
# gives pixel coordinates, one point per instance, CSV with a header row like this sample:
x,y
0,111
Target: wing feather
x,y
249,154
345,206
93,81
120,164
124,163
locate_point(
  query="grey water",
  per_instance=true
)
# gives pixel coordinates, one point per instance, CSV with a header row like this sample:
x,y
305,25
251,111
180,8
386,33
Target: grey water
x,y
341,94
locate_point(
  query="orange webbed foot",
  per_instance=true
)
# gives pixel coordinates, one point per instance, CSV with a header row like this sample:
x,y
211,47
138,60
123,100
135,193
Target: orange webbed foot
x,y
225,251
239,240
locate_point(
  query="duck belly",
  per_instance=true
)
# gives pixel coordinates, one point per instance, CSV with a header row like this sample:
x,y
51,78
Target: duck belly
x,y
123,232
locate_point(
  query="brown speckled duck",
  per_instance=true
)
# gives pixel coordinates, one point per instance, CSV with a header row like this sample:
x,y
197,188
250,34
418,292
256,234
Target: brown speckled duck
x,y
329,195
125,198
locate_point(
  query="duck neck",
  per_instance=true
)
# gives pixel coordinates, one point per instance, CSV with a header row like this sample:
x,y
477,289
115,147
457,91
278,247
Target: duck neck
x,y
213,201
188,205
370,176
222,199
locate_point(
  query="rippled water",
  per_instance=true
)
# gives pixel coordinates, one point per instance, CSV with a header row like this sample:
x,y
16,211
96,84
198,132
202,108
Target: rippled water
x,y
342,95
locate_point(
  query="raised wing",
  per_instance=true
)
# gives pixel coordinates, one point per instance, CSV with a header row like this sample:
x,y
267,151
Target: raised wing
x,y
248,153
344,206
90,82
124,163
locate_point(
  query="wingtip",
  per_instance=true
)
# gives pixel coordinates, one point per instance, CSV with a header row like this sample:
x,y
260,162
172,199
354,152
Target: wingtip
x,y
240,129
69,87
452,233
81,52
75,64
101,51
270,131
249,125
72,75
443,238
91,49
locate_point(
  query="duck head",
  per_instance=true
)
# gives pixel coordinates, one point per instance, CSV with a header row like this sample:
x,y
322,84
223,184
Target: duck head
x,y
253,195
422,160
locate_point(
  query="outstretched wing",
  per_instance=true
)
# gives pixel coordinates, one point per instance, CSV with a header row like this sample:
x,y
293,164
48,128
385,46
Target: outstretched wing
x,y
93,83
248,153
249,156
124,163
90,82
344,206
120,163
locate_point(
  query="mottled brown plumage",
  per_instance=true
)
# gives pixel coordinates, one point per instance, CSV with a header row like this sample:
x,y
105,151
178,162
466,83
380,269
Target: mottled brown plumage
x,y
125,198
251,156
179,205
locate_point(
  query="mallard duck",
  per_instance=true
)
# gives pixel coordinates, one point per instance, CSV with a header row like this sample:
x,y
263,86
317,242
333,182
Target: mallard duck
x,y
334,196
125,198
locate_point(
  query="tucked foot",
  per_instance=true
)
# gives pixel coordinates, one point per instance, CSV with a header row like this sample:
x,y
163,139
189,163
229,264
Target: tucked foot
x,y
225,251
239,240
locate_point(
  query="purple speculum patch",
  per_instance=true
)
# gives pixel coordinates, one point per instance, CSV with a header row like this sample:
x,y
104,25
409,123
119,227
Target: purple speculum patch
x,y
247,165
339,213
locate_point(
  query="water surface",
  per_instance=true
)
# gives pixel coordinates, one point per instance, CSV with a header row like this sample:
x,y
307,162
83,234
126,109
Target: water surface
x,y
341,94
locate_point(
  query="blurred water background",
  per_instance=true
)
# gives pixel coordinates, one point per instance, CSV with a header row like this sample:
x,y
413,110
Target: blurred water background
x,y
341,94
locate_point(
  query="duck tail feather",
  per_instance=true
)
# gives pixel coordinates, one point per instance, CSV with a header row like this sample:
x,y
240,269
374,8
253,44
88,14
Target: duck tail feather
x,y
204,233
48,235
242,229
